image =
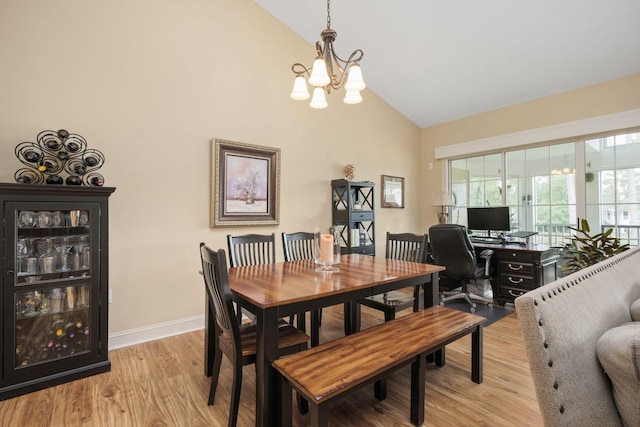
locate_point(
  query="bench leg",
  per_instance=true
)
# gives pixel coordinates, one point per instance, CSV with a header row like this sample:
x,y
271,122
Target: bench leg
x,y
418,369
286,414
476,355
380,389
438,357
319,415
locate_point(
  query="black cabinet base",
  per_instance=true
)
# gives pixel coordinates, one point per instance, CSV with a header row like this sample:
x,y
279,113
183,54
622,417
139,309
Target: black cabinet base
x,y
24,387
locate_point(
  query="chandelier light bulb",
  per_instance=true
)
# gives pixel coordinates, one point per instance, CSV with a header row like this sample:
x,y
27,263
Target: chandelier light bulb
x,y
319,76
318,101
300,91
352,97
354,80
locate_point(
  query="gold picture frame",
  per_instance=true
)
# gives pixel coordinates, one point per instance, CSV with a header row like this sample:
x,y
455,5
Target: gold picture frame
x,y
245,183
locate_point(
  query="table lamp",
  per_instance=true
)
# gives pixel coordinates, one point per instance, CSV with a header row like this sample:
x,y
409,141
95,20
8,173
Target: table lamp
x,y
442,199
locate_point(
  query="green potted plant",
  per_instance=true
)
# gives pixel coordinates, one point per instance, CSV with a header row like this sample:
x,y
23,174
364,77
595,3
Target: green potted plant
x,y
586,249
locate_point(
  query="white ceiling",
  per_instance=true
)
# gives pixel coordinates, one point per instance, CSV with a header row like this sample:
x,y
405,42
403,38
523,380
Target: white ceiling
x,y
440,60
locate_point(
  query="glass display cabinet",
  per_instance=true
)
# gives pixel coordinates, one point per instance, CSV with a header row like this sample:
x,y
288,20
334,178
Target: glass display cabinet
x,y
353,215
54,319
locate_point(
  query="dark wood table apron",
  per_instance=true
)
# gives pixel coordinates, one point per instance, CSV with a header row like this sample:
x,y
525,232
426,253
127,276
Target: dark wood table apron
x,y
272,291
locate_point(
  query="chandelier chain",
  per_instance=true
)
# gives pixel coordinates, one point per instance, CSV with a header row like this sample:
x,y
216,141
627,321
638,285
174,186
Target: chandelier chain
x,y
328,14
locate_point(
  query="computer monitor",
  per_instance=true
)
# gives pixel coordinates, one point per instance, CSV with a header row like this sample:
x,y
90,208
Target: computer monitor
x,y
489,219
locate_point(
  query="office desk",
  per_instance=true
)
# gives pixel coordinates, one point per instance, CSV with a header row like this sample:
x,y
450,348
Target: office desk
x,y
519,269
272,291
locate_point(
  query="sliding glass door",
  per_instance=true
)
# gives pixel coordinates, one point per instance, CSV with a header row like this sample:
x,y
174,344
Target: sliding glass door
x,y
549,187
612,185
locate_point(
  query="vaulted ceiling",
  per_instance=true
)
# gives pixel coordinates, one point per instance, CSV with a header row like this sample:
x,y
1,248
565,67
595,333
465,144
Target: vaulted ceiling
x,y
436,61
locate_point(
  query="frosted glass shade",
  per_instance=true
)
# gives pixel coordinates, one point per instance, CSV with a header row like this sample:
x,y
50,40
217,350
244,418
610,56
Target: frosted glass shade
x,y
319,76
352,97
318,101
354,80
300,91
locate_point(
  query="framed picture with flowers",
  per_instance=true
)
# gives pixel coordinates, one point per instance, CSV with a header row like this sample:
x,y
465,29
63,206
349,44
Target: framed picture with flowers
x,y
246,184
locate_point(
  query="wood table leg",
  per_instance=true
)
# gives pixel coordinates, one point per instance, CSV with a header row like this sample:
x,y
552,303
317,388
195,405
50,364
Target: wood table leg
x,y
315,327
476,355
268,400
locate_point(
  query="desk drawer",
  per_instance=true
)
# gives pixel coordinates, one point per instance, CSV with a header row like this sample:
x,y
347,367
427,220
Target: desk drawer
x,y
509,293
521,256
521,268
518,281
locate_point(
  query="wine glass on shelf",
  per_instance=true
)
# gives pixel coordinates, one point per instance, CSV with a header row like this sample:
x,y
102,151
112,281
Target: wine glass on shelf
x,y
27,219
327,250
23,248
63,248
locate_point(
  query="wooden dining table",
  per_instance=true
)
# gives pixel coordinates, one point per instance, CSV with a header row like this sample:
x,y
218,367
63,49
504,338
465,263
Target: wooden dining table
x,y
273,291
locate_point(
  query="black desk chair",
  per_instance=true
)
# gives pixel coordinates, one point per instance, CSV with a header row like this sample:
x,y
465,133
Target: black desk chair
x,y
299,246
452,248
237,342
405,247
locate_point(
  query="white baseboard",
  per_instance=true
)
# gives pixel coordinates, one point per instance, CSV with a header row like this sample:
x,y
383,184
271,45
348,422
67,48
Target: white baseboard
x,y
155,332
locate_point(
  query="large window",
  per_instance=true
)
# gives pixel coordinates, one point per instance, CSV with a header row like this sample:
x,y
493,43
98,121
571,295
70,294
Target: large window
x,y
542,186
612,187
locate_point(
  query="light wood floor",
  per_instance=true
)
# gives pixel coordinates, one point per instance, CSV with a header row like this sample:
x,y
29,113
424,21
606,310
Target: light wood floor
x,y
161,383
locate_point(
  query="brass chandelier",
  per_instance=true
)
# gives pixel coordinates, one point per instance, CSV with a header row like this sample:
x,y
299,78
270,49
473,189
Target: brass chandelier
x,y
329,72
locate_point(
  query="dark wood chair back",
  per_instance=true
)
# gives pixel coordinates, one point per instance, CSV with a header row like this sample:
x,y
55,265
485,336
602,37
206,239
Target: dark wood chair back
x,y
216,279
251,249
297,246
237,342
406,246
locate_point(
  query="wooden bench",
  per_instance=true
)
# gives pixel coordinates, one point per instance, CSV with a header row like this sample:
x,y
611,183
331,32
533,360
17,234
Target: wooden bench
x,y
324,373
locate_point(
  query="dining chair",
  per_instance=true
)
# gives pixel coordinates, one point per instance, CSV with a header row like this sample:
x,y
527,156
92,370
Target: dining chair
x,y
298,246
251,249
404,247
238,341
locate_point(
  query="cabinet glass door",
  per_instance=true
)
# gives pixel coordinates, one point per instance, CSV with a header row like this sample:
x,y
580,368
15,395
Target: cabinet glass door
x,y
52,307
52,323
52,245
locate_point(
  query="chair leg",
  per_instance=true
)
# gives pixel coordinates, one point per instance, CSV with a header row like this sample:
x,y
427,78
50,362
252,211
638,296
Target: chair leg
x,y
416,298
215,374
235,393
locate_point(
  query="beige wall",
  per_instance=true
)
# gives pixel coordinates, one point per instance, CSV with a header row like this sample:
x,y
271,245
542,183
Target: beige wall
x,y
611,97
149,84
